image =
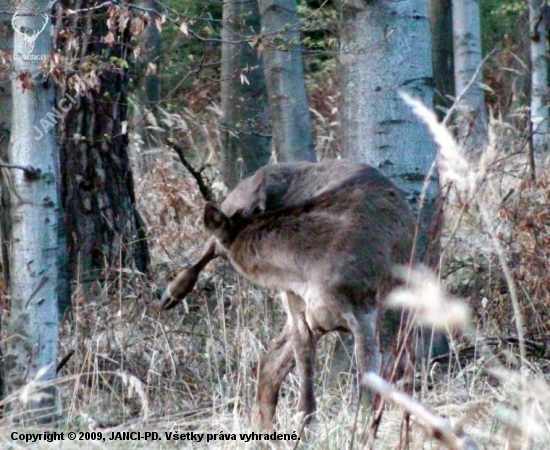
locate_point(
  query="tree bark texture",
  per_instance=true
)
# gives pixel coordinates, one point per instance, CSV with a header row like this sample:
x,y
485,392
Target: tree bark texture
x,y
288,104
148,93
6,45
31,348
471,116
104,228
441,21
386,48
539,77
246,136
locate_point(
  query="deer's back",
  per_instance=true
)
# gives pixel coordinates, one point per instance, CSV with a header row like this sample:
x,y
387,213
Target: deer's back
x,y
289,184
346,239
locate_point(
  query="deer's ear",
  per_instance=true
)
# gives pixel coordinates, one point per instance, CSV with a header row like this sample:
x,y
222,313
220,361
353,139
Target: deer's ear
x,y
258,194
216,222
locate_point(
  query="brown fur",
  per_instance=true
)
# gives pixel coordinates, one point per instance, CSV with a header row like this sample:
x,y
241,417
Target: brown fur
x,y
270,188
332,255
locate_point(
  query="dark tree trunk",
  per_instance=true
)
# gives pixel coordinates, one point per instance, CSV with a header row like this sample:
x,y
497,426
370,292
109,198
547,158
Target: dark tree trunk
x,y
103,227
284,74
246,135
441,21
6,44
147,95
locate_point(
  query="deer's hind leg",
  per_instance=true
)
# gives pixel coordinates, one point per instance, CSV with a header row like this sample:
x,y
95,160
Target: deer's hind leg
x,y
364,327
304,343
274,367
294,346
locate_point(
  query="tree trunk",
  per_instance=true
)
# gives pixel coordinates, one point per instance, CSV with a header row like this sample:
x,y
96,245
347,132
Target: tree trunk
x,y
6,45
471,117
147,95
386,48
539,78
104,228
246,141
441,21
31,349
288,104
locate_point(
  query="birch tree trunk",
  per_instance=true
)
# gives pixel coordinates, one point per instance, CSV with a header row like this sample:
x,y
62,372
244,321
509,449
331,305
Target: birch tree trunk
x,y
246,141
386,48
471,119
288,104
31,349
539,77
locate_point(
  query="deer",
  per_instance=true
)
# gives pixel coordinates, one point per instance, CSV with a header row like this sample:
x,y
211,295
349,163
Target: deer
x,y
330,250
269,188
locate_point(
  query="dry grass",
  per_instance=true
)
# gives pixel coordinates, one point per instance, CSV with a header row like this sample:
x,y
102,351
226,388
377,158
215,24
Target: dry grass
x,y
136,367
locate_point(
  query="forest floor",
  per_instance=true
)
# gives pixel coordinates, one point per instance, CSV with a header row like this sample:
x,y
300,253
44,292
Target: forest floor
x,y
191,371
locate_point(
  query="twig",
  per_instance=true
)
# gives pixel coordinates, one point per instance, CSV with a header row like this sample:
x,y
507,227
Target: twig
x,y
203,188
64,361
439,427
460,96
30,172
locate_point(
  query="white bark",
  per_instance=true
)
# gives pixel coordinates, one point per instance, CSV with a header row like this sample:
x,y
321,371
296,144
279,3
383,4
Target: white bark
x,y
539,76
386,48
471,110
284,72
31,348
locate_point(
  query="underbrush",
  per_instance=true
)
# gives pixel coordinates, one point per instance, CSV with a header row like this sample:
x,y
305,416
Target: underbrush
x,y
135,367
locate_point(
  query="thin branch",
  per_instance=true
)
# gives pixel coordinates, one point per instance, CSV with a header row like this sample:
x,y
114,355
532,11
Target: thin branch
x,y
460,96
30,172
439,427
196,174
64,361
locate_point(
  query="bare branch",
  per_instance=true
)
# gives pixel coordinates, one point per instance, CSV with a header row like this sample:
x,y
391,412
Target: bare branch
x,y
439,427
30,172
197,174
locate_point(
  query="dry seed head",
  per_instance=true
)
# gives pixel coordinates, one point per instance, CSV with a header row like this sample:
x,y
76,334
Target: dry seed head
x,y
431,305
453,166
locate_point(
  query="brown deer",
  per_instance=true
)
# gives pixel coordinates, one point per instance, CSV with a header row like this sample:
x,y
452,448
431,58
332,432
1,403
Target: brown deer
x,y
332,255
270,188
